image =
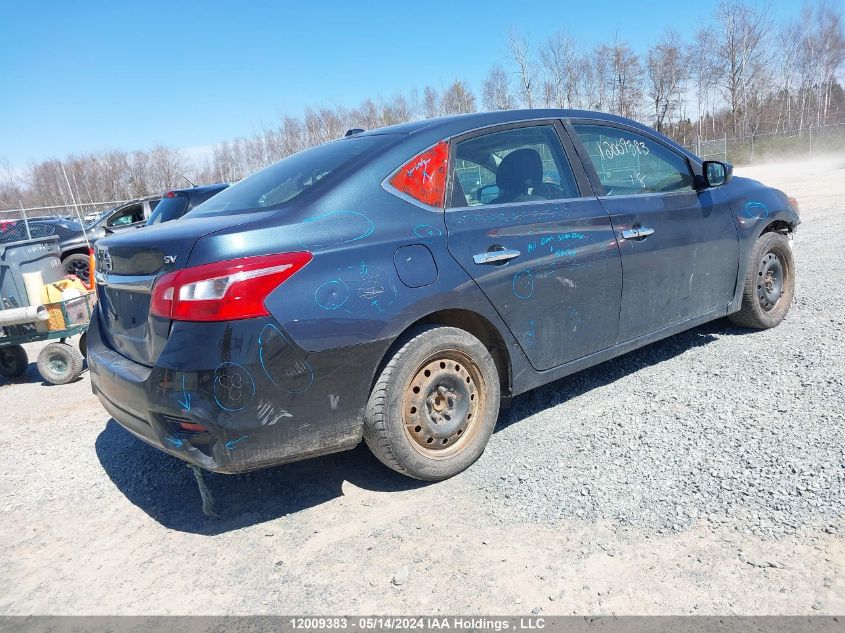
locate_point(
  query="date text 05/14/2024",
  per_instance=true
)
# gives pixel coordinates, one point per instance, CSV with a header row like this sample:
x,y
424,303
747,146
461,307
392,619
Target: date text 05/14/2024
x,y
405,623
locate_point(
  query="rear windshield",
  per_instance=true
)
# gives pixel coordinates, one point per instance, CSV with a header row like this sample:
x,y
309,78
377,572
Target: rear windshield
x,y
283,181
169,209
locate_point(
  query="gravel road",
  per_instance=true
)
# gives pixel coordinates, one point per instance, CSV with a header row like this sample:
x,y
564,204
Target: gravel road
x,y
703,474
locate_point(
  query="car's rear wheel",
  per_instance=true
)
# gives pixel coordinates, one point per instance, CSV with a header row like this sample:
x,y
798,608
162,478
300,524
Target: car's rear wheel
x,y
434,405
769,283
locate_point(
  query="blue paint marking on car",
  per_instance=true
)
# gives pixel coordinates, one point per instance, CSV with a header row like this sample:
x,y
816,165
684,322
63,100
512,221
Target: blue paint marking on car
x,y
368,289
523,284
337,227
296,376
232,444
756,210
427,232
184,398
233,386
332,294
175,441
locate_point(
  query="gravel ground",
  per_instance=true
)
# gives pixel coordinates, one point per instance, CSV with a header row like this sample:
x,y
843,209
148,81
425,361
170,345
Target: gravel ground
x,y
702,474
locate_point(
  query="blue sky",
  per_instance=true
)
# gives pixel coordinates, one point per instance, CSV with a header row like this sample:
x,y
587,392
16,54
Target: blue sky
x,y
83,76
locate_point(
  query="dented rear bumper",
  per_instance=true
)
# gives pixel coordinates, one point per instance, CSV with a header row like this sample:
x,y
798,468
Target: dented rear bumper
x,y
237,396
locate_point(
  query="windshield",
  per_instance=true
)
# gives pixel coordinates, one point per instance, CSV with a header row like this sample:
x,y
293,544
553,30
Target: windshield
x,y
169,209
283,181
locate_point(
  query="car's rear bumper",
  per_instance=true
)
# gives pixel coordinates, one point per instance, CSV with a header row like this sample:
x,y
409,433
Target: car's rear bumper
x,y
235,408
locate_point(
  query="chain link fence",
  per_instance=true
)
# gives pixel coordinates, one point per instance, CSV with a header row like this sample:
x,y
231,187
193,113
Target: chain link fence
x,y
784,144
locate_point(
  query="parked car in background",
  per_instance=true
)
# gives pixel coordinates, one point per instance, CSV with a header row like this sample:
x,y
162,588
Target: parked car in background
x,y
356,290
72,234
174,204
39,226
129,215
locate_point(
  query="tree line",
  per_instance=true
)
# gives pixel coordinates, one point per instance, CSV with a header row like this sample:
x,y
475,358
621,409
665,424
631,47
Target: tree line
x,y
739,74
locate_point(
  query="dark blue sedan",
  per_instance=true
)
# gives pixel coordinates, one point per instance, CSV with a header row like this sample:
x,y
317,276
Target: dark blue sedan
x,y
397,284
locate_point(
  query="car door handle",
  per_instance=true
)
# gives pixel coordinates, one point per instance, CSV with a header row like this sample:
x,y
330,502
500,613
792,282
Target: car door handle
x,y
491,257
637,233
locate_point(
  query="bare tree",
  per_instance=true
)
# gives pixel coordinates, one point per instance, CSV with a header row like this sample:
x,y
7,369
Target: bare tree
x,y
559,56
617,79
495,91
703,75
627,80
397,110
167,166
790,34
667,72
600,78
10,191
458,99
431,103
829,32
520,53
741,55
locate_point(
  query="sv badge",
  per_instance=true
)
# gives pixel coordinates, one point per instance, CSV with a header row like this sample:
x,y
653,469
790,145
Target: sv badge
x,y
170,259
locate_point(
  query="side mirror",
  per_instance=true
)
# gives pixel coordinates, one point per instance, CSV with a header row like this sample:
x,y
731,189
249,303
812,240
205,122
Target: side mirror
x,y
716,173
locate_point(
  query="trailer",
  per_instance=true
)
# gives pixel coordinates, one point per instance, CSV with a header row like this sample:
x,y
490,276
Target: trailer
x,y
25,321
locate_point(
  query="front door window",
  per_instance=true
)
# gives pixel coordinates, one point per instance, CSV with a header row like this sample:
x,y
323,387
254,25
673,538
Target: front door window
x,y
628,163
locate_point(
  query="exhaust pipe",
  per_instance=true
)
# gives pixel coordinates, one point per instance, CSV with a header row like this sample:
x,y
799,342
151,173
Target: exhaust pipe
x,y
28,314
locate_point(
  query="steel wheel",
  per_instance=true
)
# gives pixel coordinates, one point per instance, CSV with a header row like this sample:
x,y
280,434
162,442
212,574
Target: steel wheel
x,y
769,281
434,404
441,405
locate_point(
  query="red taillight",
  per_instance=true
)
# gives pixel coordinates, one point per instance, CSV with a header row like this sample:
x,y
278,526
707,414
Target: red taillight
x,y
224,291
193,426
170,194
794,203
424,176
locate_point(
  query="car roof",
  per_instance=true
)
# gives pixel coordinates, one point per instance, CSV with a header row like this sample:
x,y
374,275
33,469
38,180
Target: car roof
x,y
129,203
449,126
216,187
484,119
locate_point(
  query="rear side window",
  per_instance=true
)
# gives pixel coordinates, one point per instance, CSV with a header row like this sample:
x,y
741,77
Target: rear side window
x,y
169,209
525,164
628,163
283,181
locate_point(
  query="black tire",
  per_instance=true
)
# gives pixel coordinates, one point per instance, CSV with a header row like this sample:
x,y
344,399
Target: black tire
x,y
60,363
769,284
77,264
434,405
83,344
13,361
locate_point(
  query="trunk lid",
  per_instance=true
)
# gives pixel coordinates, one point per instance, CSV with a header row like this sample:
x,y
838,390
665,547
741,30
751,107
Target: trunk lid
x,y
127,267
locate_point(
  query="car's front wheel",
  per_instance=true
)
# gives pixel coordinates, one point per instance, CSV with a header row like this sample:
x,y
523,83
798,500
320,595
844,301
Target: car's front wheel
x,y
434,405
769,283
77,264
